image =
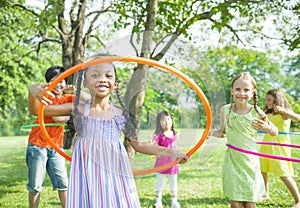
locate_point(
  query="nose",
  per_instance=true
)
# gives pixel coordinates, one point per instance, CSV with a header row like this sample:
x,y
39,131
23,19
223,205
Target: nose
x,y
60,84
101,79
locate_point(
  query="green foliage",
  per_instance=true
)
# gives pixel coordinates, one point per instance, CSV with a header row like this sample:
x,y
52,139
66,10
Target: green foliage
x,y
21,64
218,66
29,45
177,17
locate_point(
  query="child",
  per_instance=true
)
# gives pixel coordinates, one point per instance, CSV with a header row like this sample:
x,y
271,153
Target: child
x,y
279,111
166,136
101,174
239,120
40,157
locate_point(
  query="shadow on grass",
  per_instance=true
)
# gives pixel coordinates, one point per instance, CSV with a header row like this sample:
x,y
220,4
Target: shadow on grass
x,y
206,201
195,202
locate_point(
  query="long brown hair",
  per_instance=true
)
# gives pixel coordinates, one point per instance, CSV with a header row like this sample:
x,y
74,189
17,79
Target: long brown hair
x,y
159,116
279,100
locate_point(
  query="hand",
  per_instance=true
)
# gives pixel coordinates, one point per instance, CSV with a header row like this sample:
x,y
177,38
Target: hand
x,y
183,158
70,89
259,124
279,109
38,91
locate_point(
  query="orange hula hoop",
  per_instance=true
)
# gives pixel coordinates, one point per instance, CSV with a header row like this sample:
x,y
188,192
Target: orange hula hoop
x,y
138,60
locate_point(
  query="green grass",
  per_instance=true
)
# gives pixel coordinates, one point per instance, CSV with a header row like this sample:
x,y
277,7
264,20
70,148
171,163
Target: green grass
x,y
199,181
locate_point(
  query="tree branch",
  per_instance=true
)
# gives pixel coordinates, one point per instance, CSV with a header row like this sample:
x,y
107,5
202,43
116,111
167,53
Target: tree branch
x,y
92,23
178,32
23,7
232,30
132,43
166,47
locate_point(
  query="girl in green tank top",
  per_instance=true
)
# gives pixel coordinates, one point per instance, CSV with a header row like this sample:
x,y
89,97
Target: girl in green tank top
x,y
239,121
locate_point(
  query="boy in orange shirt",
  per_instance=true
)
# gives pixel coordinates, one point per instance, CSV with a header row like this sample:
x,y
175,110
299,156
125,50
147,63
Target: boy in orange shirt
x,y
40,157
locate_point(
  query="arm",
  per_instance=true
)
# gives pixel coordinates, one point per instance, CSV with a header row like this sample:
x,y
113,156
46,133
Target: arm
x,y
221,131
153,149
267,126
58,110
60,119
287,113
35,96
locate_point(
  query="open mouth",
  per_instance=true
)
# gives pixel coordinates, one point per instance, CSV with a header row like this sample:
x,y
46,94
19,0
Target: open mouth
x,y
102,87
57,90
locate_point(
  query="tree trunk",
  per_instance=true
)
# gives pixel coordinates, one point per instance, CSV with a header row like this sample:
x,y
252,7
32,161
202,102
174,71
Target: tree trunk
x,y
135,94
72,50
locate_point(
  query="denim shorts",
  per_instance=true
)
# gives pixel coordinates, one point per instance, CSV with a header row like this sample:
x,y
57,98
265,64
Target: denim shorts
x,y
40,160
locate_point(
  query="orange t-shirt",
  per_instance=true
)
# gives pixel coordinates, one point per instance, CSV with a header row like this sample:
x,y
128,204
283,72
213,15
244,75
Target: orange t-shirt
x,y
55,132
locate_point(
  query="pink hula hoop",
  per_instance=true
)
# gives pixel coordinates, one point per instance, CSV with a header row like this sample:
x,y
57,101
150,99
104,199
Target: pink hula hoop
x,y
279,144
262,154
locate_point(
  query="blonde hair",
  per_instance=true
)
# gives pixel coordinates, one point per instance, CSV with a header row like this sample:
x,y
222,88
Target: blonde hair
x,y
245,76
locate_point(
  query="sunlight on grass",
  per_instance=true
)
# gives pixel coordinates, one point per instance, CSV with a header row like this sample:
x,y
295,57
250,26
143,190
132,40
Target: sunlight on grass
x,y
200,184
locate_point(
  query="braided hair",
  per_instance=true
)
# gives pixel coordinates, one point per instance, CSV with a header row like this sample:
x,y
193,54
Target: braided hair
x,y
246,76
130,131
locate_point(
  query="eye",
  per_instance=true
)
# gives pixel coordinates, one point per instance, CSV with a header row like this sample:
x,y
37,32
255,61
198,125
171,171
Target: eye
x,y
94,75
109,75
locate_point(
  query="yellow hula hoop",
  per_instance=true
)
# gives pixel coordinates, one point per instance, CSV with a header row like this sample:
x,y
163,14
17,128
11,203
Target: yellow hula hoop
x,y
139,60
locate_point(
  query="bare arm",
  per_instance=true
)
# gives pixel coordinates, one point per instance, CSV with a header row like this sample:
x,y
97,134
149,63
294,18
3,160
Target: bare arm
x,y
60,119
287,113
267,126
153,149
35,96
221,131
58,110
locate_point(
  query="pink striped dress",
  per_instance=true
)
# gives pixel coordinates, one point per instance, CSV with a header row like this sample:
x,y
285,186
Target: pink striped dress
x,y
101,174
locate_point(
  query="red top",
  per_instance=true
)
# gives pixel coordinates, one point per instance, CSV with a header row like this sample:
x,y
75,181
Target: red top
x,y
55,132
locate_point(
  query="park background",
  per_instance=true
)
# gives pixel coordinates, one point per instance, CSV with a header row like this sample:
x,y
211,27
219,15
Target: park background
x,y
210,41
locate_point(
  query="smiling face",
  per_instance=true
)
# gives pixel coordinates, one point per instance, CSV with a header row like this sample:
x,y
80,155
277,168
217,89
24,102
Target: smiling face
x,y
242,90
100,80
59,88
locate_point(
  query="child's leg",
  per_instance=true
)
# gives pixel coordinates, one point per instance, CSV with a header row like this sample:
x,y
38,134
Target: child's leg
x,y
173,186
236,204
34,200
62,197
174,190
250,204
160,181
292,186
266,196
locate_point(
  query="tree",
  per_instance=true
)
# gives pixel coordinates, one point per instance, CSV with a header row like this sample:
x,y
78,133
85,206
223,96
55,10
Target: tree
x,y
156,25
21,64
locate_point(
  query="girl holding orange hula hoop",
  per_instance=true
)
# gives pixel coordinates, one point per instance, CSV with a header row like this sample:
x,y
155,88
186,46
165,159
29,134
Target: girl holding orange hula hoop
x,y
101,174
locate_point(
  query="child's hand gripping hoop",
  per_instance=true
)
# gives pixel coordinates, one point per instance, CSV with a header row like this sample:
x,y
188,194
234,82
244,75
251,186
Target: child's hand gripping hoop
x,y
138,60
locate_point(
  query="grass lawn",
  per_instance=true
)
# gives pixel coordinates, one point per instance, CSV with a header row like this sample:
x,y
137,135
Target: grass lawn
x,y
199,180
